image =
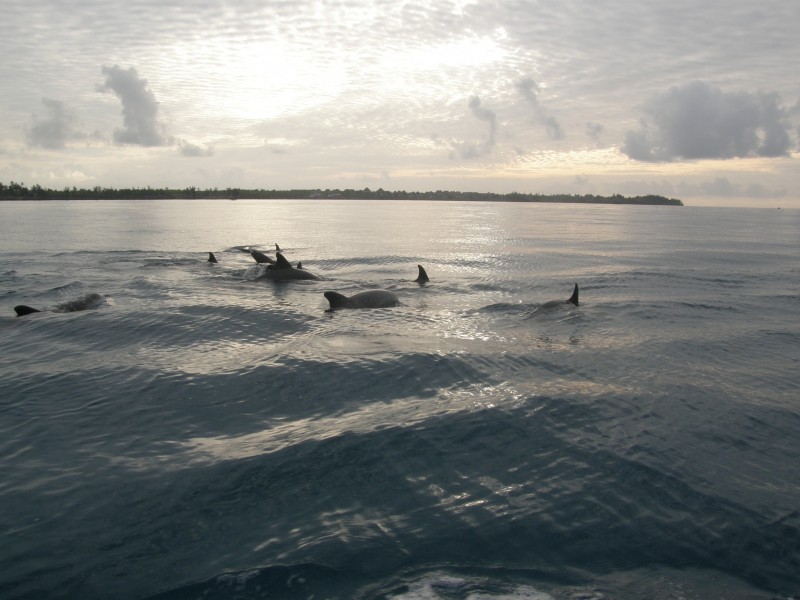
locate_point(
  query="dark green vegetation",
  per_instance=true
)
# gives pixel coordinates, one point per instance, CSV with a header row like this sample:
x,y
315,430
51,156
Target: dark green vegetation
x,y
17,191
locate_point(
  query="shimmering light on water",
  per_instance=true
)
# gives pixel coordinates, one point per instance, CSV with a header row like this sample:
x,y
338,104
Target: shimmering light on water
x,y
236,438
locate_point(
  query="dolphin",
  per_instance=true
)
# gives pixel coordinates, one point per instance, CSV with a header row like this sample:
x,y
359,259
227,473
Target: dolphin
x,y
368,299
423,276
557,303
83,303
211,257
277,248
283,270
261,258
571,300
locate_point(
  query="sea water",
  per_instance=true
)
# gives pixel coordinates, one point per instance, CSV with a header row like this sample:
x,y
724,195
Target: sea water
x,y
202,433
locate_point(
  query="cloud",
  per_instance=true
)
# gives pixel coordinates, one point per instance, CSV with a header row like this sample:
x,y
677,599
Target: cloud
x,y
474,150
194,150
139,108
530,92
722,187
697,120
484,114
56,128
594,131
553,127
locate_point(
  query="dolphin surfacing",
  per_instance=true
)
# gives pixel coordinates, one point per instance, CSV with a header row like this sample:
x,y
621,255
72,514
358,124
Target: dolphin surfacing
x,y
85,302
283,270
211,257
368,299
423,276
556,303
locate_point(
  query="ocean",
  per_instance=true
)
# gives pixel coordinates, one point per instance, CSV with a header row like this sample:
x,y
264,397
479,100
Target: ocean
x,y
200,432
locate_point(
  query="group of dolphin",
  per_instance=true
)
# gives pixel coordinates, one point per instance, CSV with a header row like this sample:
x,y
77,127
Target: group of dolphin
x,y
280,269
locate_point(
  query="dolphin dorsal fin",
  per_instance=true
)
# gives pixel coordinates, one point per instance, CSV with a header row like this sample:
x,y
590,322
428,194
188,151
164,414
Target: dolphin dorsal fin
x,y
260,257
335,299
277,248
423,276
211,257
281,262
23,310
574,298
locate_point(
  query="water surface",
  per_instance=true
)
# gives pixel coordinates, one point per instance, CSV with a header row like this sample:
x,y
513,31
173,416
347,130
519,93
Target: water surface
x,y
205,434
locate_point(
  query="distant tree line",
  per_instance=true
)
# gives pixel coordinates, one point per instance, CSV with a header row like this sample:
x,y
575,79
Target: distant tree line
x,y
18,191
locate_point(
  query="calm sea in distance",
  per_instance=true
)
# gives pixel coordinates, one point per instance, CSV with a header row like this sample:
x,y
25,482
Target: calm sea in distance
x,y
200,432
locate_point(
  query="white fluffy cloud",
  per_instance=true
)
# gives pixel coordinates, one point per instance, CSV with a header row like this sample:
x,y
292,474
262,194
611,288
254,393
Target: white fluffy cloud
x,y
698,120
139,108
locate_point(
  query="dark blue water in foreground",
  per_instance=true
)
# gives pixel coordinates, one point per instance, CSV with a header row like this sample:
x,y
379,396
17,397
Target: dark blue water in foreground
x,y
198,433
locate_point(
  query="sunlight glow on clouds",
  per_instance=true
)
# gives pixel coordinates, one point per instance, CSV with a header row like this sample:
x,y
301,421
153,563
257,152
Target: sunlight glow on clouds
x,y
464,94
255,80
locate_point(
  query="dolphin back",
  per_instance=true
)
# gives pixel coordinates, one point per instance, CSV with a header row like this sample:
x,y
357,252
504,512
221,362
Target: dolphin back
x,y
368,299
83,303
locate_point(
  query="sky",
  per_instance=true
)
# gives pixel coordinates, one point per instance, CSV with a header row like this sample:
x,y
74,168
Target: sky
x,y
692,100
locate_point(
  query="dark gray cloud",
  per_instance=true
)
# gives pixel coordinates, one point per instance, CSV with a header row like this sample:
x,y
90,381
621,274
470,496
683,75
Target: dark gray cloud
x,y
698,120
473,150
530,92
594,131
553,127
139,108
55,128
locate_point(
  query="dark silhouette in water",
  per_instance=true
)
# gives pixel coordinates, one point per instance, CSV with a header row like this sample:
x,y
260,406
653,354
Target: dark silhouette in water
x,y
283,270
211,257
556,303
371,298
571,300
368,299
261,258
83,303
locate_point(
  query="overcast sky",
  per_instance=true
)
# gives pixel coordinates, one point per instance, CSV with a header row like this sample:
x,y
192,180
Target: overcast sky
x,y
687,99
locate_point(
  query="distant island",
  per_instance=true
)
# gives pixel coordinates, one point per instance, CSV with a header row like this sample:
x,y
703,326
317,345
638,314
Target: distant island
x,y
18,191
